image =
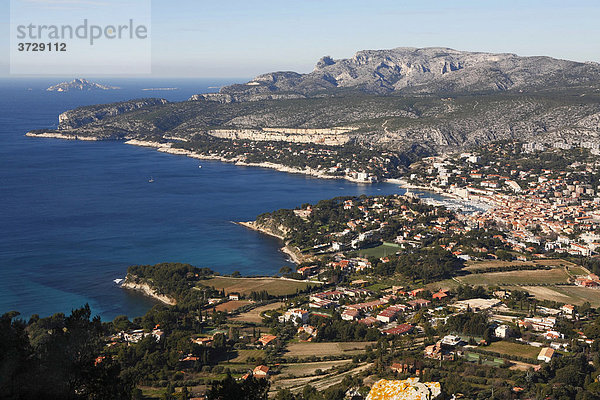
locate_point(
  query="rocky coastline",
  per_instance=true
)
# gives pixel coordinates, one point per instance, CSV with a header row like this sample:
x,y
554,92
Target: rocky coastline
x,y
167,148
133,283
58,135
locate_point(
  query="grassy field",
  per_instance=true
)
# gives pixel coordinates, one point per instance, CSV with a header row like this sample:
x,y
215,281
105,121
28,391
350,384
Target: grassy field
x,y
307,349
577,270
242,356
490,264
378,286
253,316
514,349
534,277
564,294
275,286
232,305
447,284
379,251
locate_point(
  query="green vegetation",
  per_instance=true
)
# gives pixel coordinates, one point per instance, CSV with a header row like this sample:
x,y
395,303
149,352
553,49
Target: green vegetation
x,y
468,323
425,264
338,330
55,358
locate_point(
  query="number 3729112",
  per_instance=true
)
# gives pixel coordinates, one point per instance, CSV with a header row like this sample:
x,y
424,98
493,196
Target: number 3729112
x,y
42,46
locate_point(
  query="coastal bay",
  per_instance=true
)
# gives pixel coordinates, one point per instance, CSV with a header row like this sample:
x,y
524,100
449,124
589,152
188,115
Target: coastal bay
x,y
78,213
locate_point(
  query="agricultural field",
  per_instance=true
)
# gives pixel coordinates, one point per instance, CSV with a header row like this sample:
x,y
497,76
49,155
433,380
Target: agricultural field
x,y
564,294
577,270
514,349
491,264
253,316
245,286
307,369
446,284
534,277
232,305
307,349
318,382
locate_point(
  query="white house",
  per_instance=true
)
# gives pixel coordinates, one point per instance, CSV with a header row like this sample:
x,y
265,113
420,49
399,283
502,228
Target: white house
x,y
296,315
451,340
568,309
546,354
502,331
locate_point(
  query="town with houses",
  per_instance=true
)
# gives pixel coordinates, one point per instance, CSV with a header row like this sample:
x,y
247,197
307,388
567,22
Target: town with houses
x,y
414,320
400,296
437,237
551,205
480,281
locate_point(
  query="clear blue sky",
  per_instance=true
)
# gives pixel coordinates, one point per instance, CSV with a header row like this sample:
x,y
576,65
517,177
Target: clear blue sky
x,y
231,38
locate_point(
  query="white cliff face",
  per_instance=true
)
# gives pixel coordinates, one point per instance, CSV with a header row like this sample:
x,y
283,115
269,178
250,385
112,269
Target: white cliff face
x,y
331,137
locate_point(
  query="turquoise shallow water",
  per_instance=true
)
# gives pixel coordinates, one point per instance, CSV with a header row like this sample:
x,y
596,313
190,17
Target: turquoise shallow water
x,y
75,214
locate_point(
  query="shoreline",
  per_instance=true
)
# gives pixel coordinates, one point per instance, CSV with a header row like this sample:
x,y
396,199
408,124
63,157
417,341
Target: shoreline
x,y
167,148
480,203
401,182
294,255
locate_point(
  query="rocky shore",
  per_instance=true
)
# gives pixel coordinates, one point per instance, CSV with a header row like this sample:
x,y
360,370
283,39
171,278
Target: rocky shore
x,y
133,283
58,135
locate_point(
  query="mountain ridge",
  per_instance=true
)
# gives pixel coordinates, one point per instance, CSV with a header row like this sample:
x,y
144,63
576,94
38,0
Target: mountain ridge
x,y
409,70
432,100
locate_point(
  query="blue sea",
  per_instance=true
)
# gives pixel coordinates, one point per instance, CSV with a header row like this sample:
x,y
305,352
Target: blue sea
x,y
75,214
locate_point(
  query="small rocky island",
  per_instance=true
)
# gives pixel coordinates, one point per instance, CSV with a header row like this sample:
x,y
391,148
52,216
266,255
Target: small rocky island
x,y
79,84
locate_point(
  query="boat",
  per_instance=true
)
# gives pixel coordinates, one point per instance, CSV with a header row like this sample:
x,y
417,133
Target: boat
x,y
199,166
118,280
150,180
